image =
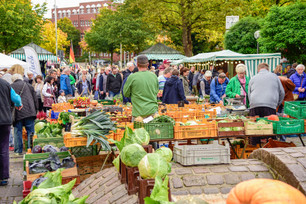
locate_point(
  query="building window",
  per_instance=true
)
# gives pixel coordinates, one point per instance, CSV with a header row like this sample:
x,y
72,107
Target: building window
x,y
94,10
64,14
82,23
88,10
76,24
68,14
59,15
82,11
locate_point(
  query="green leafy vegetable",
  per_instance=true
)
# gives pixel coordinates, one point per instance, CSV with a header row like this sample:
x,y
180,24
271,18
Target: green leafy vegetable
x,y
39,126
95,127
159,194
141,136
132,154
166,153
152,165
116,162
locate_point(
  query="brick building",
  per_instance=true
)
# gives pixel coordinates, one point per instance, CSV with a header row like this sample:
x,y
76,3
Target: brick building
x,y
81,17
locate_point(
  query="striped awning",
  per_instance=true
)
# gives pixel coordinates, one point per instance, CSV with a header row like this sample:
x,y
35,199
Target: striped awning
x,y
41,57
165,56
254,60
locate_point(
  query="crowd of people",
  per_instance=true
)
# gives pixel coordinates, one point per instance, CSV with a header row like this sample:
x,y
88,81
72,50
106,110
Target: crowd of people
x,y
264,94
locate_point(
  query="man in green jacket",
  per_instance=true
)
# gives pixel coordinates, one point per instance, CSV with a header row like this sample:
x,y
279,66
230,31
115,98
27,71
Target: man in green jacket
x,y
142,87
238,85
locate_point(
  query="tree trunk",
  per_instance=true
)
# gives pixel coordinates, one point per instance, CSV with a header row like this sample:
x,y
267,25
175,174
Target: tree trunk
x,y
187,41
112,54
186,34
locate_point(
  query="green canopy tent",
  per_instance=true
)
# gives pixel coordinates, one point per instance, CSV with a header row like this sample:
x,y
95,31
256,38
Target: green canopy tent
x,y
43,54
220,58
162,52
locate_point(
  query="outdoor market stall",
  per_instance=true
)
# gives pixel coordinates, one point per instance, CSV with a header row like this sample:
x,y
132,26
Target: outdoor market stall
x,y
96,132
6,62
227,59
160,52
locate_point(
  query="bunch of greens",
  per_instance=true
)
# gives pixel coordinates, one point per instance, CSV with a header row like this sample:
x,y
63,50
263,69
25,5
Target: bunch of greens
x,y
138,136
51,191
95,126
159,194
163,119
46,130
65,117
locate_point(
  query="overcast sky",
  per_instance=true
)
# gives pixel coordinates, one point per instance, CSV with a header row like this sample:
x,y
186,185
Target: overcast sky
x,y
60,4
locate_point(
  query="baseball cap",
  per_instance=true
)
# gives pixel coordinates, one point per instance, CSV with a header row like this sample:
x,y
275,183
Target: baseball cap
x,y
166,61
222,75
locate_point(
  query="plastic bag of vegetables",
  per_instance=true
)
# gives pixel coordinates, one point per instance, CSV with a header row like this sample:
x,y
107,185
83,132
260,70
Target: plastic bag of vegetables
x,y
132,154
152,165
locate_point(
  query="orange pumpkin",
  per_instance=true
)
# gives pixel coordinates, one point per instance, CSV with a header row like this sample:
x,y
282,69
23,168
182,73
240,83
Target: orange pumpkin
x,y
273,117
261,191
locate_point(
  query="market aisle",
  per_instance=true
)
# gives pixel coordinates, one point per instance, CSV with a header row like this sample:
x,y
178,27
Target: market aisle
x,y
13,191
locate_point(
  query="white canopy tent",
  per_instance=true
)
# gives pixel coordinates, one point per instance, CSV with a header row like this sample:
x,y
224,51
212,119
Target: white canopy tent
x,y
7,62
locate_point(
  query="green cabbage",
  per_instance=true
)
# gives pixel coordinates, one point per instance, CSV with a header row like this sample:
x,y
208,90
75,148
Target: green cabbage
x,y
132,154
237,128
116,162
152,165
141,136
165,152
39,126
225,129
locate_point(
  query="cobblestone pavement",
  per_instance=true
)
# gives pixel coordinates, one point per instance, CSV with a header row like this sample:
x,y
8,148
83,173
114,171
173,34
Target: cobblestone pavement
x,y
216,179
288,164
213,182
13,191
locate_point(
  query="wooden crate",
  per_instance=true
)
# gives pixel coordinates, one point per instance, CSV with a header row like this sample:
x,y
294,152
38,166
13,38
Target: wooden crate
x,y
274,144
230,133
258,129
145,188
132,180
65,173
70,141
92,164
248,150
209,129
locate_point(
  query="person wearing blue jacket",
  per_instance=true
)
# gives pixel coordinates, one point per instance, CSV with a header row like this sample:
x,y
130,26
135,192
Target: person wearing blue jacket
x,y
217,88
174,90
299,79
65,82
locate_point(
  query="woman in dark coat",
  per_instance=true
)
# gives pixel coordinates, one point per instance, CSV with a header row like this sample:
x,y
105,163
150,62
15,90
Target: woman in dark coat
x,y
174,90
27,115
7,96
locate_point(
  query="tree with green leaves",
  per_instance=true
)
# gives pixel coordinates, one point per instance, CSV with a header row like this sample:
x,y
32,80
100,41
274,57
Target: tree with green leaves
x,y
112,28
73,34
240,37
284,30
203,18
20,23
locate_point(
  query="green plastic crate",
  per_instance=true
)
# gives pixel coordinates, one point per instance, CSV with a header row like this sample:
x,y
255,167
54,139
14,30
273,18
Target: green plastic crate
x,y
56,142
40,156
296,109
84,151
106,102
157,130
286,125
